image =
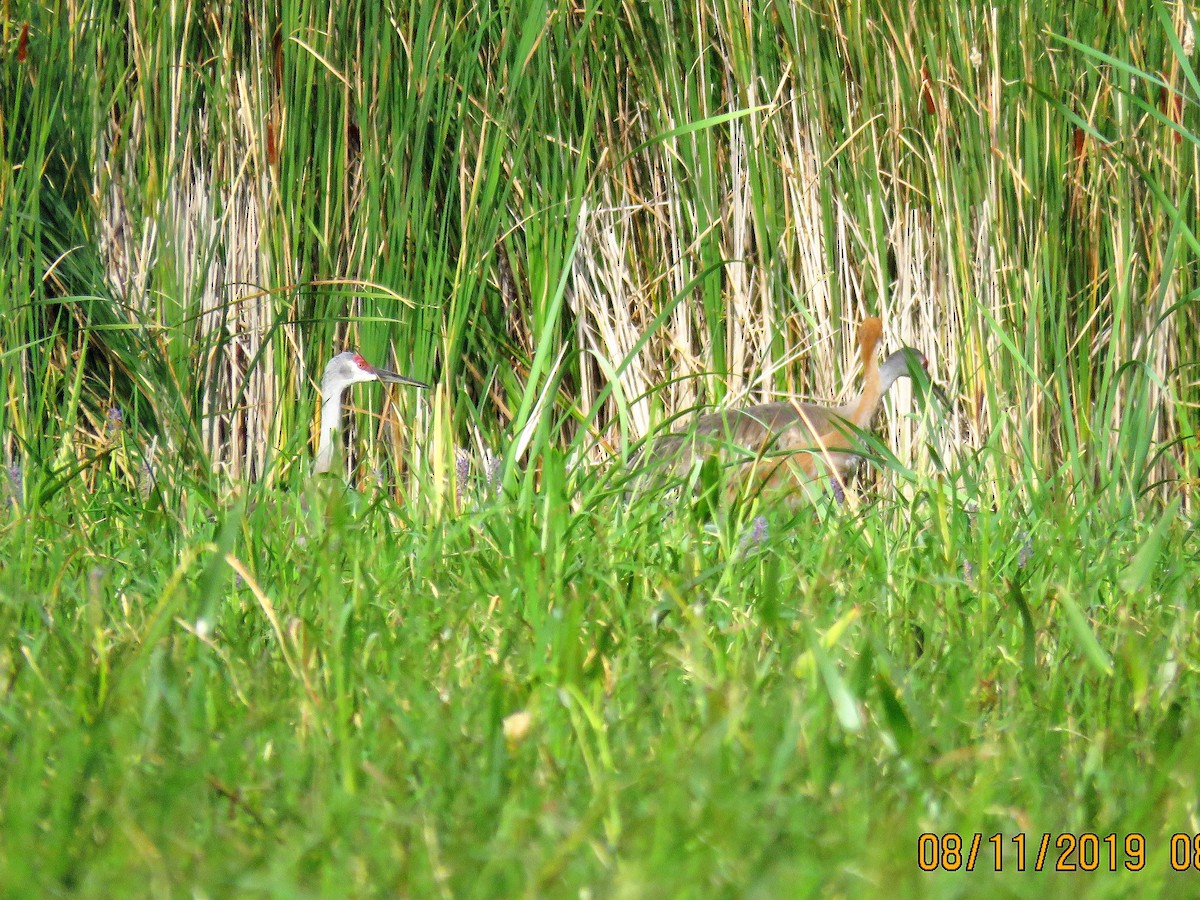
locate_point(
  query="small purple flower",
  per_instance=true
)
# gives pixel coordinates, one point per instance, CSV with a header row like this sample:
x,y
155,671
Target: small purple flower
x,y
492,465
839,493
968,573
16,487
462,471
757,533
1026,551
116,419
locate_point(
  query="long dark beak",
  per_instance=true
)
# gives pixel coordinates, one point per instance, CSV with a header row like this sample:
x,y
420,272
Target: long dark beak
x,y
916,364
940,393
393,378
937,390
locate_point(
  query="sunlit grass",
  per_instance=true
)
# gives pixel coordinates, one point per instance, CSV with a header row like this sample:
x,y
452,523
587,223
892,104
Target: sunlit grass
x,y
580,222
279,699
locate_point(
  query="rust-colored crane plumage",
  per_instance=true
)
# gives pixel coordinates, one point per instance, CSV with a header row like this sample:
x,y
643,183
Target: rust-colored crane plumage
x,y
788,445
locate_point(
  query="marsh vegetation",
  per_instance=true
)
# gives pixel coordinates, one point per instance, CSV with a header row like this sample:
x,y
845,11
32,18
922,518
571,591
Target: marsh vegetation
x,y
488,668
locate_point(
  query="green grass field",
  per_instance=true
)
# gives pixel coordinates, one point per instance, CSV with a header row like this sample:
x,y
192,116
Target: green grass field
x,y
484,664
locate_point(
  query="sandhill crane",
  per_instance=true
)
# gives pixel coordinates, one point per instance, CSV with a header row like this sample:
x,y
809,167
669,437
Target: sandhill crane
x,y
788,445
344,370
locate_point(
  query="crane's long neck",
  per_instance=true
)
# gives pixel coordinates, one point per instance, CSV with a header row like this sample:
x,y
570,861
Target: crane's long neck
x,y
331,423
876,383
868,401
893,367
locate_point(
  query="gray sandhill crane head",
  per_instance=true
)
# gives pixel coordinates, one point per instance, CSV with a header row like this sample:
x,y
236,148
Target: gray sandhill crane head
x,y
907,362
345,369
349,368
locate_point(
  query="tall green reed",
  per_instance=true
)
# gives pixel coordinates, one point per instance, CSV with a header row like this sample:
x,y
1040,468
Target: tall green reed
x,y
590,218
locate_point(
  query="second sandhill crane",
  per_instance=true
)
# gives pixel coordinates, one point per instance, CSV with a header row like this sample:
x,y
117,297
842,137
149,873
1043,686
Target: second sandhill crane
x,y
787,445
342,371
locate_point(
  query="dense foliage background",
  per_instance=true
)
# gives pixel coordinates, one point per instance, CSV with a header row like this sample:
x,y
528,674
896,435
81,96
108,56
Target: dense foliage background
x,y
580,221
539,201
